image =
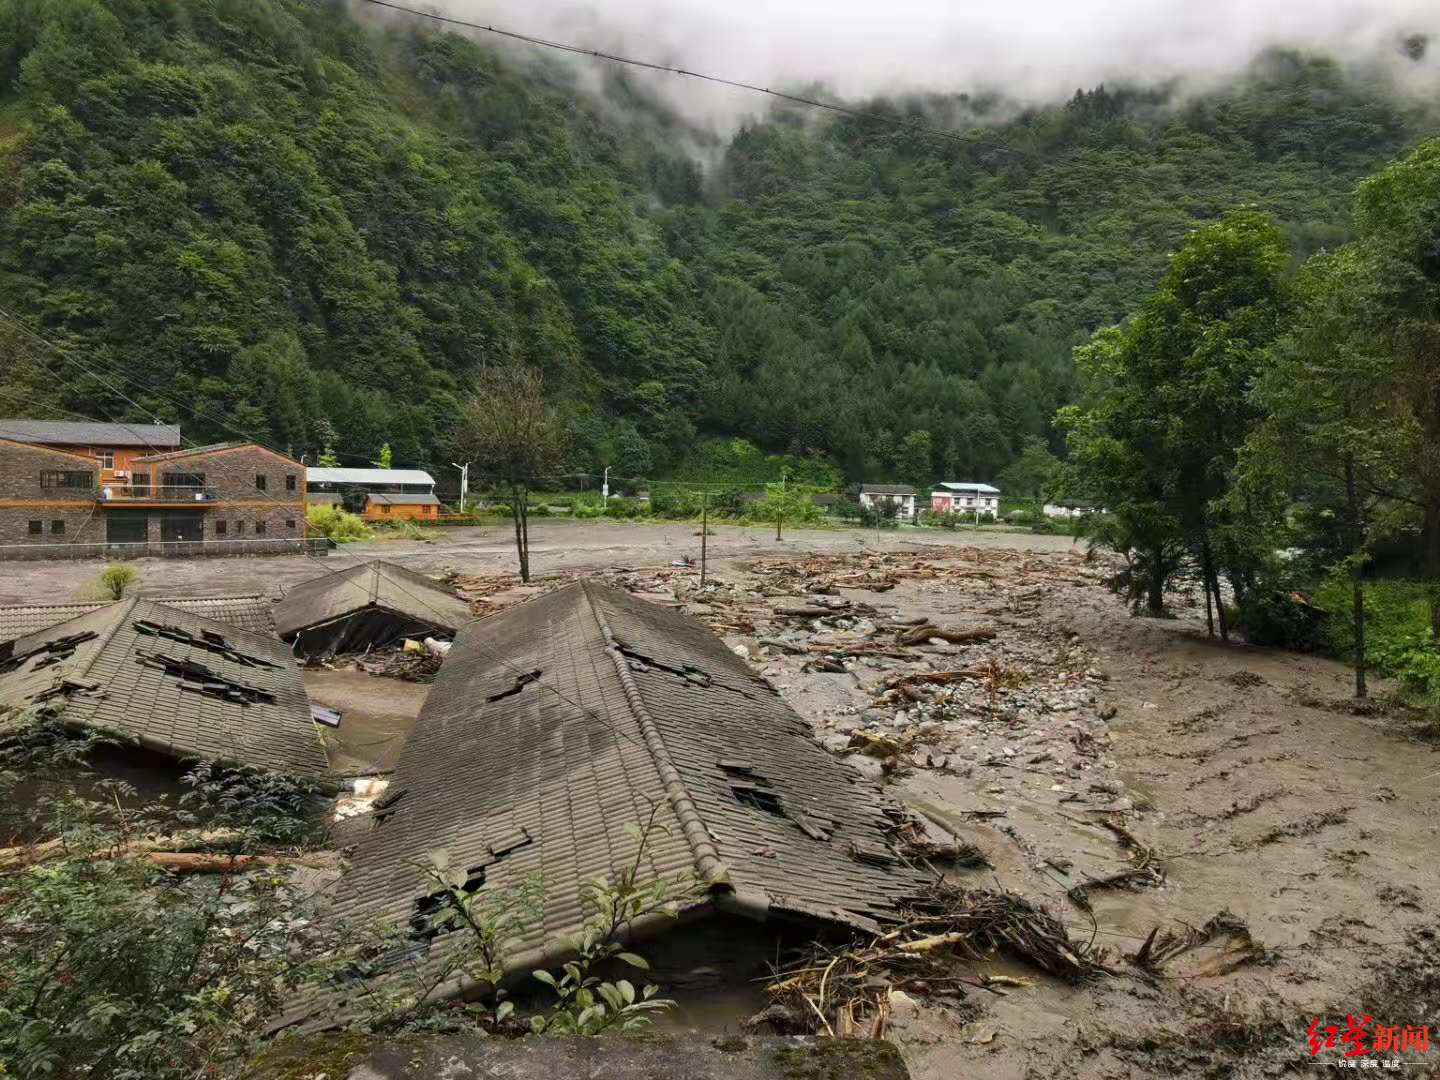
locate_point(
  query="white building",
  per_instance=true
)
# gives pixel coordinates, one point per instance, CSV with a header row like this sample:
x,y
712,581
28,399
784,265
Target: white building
x,y
1066,510
899,496
965,499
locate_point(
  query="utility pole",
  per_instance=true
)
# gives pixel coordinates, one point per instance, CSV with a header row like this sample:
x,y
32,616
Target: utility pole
x,y
605,489
464,482
704,531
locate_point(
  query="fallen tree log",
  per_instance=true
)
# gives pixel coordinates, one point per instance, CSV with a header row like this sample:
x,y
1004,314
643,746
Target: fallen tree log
x,y
15,858
192,862
954,635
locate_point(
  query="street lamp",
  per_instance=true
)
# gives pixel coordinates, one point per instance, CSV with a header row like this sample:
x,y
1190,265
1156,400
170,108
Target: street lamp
x,y
464,481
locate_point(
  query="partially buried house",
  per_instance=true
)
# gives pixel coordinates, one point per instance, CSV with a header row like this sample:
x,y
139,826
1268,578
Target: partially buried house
x,y
554,728
364,607
170,681
249,612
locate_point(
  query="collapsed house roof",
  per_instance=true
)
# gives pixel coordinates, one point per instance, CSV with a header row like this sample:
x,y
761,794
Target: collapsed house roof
x,y
173,681
251,613
366,606
555,727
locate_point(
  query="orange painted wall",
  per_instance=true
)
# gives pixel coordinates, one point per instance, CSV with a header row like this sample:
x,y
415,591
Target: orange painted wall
x,y
124,458
377,513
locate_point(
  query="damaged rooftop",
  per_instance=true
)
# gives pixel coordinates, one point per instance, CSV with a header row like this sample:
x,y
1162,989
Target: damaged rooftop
x,y
554,728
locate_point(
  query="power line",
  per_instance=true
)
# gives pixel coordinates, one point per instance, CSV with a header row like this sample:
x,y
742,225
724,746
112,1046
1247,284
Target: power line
x,y
797,99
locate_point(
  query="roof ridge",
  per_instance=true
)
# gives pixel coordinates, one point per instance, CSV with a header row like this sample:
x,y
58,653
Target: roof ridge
x,y
711,867
123,609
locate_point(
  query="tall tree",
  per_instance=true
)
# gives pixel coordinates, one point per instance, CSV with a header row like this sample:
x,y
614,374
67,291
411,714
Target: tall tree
x,y
1392,295
512,430
1170,402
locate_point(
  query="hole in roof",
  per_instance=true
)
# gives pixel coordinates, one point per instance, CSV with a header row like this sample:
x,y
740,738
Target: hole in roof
x,y
757,798
638,661
431,916
521,681
50,652
208,640
740,769
199,679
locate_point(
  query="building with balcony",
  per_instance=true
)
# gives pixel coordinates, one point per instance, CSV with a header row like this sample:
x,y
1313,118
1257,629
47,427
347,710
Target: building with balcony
x,y
175,502
113,447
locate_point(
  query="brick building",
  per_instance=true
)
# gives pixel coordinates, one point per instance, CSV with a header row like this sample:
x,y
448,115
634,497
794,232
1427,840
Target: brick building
x,y
113,447
166,504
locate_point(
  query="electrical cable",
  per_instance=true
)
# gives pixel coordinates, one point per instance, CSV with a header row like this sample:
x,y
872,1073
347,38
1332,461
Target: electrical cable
x,y
797,99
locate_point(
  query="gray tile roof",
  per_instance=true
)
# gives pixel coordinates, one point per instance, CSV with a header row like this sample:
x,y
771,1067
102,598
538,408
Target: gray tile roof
x,y
173,681
253,613
887,489
504,772
77,433
337,594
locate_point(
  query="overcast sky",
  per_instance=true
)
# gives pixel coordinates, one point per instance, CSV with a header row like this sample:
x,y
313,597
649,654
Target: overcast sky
x,y
1032,49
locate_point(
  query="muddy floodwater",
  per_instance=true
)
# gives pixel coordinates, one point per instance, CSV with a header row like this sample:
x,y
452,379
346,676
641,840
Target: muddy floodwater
x,y
1235,792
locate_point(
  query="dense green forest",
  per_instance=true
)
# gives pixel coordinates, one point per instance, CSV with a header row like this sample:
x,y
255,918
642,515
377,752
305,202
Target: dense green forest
x,y
269,215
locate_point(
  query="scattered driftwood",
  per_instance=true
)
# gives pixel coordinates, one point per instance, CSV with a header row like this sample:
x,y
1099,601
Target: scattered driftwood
x,y
783,646
1227,934
849,991
1140,877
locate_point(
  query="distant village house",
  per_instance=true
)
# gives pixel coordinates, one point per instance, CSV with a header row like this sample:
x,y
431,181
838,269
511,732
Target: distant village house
x,y
1065,509
887,497
966,498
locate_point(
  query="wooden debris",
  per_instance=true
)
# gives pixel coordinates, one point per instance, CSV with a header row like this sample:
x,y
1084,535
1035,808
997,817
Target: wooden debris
x,y
919,635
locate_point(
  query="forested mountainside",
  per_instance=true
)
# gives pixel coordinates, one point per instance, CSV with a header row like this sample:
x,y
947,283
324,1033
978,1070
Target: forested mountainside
x,y
271,216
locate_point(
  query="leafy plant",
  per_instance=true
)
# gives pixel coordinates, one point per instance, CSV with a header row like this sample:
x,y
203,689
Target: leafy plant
x,y
267,806
116,578
585,1002
337,524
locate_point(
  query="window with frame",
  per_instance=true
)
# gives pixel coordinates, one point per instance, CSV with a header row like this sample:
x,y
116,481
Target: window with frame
x,y
107,459
239,528
290,482
57,527
261,480
290,523
183,479
385,509
220,528
260,528
37,528
73,479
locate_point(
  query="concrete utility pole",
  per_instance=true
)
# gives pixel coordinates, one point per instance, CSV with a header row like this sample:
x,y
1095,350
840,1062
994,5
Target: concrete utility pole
x,y
605,489
704,531
464,482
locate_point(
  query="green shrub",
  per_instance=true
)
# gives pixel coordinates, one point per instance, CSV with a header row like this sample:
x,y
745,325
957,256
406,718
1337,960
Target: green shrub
x,y
337,524
1397,632
116,578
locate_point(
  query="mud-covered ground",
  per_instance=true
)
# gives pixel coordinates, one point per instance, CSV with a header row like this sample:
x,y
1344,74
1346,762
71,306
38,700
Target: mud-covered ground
x,y
1234,788
1261,796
